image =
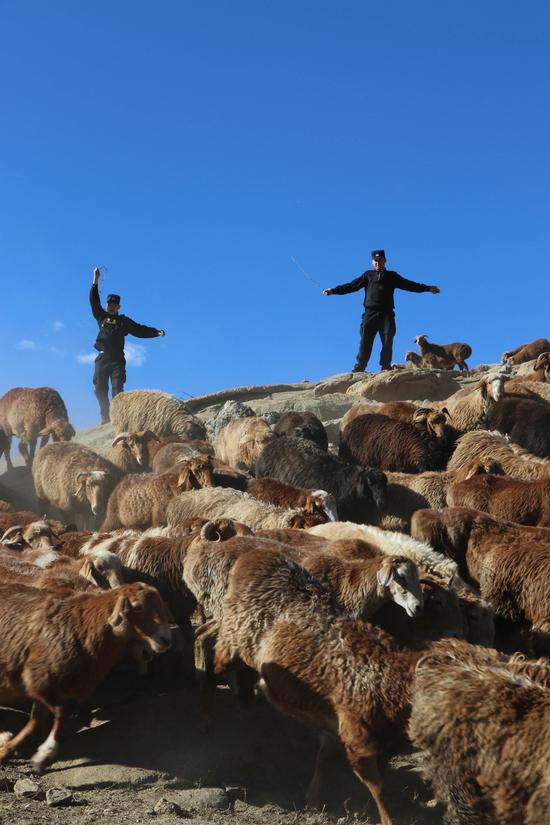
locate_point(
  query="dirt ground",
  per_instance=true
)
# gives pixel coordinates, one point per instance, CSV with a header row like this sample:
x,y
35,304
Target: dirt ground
x,y
147,745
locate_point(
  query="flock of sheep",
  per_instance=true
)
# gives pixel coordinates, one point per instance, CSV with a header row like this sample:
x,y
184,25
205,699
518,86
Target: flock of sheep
x,y
394,592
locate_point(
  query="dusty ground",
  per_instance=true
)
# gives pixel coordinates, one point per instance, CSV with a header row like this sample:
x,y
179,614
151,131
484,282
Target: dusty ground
x,y
147,745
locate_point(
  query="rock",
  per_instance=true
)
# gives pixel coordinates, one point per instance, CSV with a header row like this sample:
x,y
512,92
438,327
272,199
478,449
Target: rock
x,y
165,807
27,789
338,383
333,430
229,411
405,385
57,797
205,799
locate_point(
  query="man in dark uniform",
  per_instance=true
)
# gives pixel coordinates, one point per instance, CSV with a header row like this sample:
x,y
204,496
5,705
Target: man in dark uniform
x,y
110,363
379,316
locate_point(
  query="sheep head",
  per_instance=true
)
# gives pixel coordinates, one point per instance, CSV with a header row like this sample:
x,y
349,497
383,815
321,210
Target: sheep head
x,y
323,503
140,614
542,362
59,430
103,569
195,473
136,444
92,487
371,487
399,576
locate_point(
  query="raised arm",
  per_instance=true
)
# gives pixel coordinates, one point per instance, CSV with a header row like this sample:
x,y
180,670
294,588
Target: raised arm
x,y
352,286
141,331
97,310
413,286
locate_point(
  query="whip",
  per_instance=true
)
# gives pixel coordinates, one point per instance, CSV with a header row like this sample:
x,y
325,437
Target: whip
x,y
304,272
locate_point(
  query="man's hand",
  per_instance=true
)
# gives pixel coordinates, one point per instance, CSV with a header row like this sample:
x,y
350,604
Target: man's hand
x,y
328,292
161,333
96,276
434,289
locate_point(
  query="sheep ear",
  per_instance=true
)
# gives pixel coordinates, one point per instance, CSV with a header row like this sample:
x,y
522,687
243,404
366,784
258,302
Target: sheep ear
x,y
120,613
149,435
88,572
383,578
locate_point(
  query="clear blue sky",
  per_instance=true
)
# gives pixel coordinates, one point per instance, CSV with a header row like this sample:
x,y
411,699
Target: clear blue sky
x,y
194,147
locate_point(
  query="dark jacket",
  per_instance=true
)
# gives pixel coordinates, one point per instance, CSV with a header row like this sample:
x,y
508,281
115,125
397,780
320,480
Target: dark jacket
x,y
113,328
379,288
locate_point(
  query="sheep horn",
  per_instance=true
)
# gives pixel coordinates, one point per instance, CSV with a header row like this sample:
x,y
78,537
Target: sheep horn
x,y
421,414
118,438
210,532
82,474
9,531
446,412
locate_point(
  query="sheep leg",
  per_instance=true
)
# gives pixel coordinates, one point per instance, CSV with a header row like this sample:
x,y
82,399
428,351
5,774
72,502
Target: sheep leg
x,y
24,450
327,746
48,750
32,450
361,751
9,746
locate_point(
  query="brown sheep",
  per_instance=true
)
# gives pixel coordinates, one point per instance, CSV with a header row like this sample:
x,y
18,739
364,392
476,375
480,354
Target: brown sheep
x,y
400,410
526,352
171,453
482,445
443,356
342,674
57,651
415,359
380,441
130,451
74,479
285,495
140,501
483,730
509,564
510,499
28,413
241,441
302,425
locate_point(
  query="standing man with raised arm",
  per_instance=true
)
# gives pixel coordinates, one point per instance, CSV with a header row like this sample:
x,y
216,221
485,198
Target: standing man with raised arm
x,y
379,315
111,363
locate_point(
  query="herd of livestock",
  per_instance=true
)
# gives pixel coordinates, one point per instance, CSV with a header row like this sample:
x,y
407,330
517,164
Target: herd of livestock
x,y
392,589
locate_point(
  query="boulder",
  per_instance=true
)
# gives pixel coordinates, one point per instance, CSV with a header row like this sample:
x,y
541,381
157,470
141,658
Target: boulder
x,y
405,385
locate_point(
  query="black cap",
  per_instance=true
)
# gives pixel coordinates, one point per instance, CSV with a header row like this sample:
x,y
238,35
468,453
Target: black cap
x,y
112,298
377,254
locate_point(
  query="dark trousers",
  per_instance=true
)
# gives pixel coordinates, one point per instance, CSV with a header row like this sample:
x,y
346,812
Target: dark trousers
x,y
374,322
108,367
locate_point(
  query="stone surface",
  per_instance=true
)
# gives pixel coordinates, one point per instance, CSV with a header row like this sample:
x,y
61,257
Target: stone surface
x,y
205,799
27,789
58,797
405,385
165,807
338,383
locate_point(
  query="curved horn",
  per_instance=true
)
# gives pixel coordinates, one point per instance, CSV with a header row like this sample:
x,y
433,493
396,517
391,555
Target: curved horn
x,y
118,438
421,413
5,538
210,532
446,412
82,474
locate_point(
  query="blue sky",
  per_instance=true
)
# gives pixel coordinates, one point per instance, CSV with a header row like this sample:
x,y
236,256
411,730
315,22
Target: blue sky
x,y
193,148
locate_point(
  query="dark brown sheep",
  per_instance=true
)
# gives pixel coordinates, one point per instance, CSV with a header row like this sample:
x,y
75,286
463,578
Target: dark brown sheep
x,y
360,492
285,495
302,425
172,452
483,730
526,352
443,356
380,441
510,565
527,422
510,499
